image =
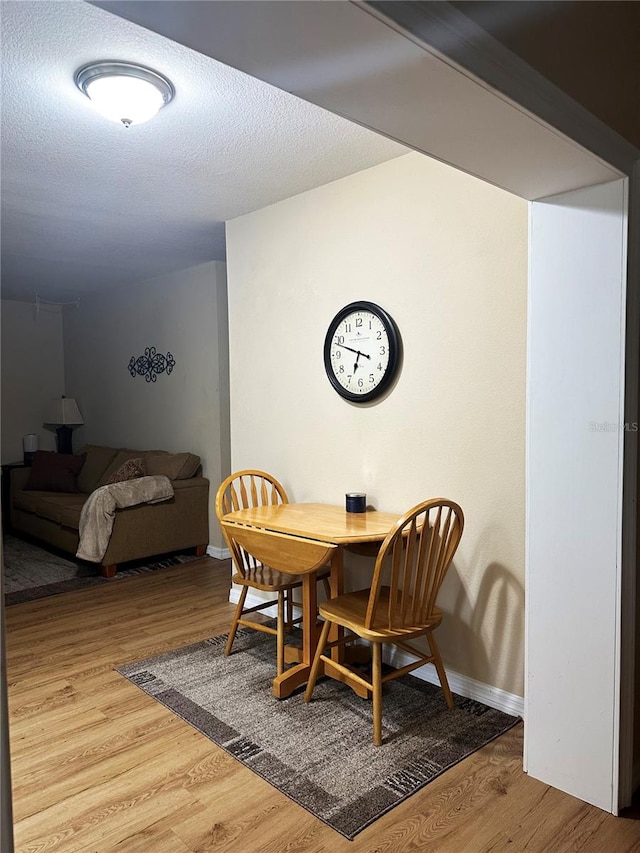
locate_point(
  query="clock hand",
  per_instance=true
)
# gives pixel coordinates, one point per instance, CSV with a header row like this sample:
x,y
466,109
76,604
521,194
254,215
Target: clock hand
x,y
357,351
346,347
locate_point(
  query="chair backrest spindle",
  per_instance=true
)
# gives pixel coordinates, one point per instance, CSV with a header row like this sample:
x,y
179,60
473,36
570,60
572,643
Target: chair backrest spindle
x,y
420,549
243,490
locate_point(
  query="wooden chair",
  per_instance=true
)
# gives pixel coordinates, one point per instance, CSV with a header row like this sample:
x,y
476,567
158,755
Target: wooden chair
x,y
417,553
251,488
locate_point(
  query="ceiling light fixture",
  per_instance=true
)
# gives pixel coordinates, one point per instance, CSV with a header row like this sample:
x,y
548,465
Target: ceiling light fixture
x,y
125,93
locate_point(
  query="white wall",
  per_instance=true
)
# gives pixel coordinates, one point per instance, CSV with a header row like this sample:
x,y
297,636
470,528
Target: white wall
x,y
32,373
184,313
446,255
576,395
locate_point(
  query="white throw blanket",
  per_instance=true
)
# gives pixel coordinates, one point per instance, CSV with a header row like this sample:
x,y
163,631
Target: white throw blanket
x,y
98,513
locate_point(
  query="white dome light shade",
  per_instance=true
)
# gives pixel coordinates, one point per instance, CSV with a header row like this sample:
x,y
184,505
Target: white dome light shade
x,y
125,99
125,93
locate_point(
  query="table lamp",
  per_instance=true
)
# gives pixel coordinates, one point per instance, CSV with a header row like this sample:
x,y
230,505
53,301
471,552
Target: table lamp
x,y
63,413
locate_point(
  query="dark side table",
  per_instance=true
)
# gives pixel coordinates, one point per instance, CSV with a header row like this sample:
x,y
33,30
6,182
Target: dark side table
x,y
6,492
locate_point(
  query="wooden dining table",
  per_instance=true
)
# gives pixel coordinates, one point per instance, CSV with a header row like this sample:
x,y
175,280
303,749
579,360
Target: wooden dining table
x,y
331,525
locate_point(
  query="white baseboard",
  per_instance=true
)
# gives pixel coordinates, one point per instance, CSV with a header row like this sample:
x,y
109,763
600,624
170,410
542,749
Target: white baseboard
x,y
463,685
252,600
218,553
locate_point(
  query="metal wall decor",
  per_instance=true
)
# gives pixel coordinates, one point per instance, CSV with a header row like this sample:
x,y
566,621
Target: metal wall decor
x,y
151,364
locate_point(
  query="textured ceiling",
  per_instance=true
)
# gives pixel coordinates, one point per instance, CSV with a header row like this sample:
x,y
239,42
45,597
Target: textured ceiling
x,y
87,204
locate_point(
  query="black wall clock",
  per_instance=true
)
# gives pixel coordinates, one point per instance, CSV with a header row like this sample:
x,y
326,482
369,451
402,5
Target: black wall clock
x,y
362,351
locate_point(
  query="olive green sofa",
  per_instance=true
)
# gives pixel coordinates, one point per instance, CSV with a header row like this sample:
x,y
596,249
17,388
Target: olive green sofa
x,y
139,532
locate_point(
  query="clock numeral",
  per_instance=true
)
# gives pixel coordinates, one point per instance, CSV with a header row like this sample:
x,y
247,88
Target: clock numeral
x,y
337,354
371,377
378,335
339,339
360,383
358,322
349,379
383,350
347,328
341,368
380,366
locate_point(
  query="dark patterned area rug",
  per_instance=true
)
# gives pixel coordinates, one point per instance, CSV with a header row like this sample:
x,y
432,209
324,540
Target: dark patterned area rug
x,y
320,755
32,572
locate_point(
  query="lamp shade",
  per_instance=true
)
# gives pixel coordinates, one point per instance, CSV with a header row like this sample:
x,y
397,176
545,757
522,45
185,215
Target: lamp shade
x,y
63,410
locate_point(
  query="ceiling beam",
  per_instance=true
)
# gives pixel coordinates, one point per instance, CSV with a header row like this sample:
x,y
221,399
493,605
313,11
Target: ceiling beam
x,y
463,43
351,59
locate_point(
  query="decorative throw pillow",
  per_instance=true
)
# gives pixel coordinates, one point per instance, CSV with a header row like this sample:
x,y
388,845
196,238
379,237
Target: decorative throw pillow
x,y
54,472
129,470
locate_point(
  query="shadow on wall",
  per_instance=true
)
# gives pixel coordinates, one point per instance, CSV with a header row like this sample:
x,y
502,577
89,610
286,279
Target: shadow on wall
x,y
485,639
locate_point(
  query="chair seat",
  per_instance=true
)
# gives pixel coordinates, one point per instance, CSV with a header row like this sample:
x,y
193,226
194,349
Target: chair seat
x,y
268,579
350,611
418,552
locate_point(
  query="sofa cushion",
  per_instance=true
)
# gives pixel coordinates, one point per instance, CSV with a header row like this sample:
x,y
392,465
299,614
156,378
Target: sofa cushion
x,y
49,505
27,501
129,470
54,507
70,516
119,459
175,466
97,461
54,472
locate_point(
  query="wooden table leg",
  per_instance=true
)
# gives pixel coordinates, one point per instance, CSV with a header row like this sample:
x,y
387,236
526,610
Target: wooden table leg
x,y
284,685
296,676
337,588
343,654
310,632
336,580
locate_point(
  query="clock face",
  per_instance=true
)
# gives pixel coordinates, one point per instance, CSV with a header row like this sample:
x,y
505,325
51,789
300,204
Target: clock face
x,y
361,351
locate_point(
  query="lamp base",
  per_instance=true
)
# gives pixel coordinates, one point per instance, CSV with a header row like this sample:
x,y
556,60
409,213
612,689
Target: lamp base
x,y
64,434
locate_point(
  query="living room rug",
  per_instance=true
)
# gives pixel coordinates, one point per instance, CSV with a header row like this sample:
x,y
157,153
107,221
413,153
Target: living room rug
x,y
32,572
320,755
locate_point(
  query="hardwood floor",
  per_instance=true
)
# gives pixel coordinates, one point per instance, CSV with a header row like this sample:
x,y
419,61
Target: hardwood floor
x,y
99,766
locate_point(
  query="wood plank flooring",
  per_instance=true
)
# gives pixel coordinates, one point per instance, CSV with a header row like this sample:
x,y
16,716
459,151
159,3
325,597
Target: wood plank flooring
x,y
99,766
